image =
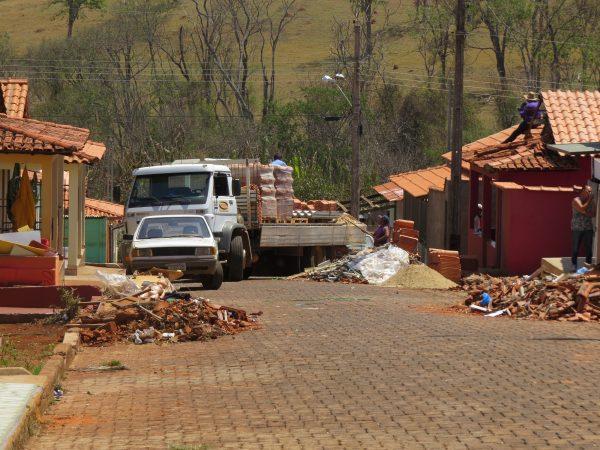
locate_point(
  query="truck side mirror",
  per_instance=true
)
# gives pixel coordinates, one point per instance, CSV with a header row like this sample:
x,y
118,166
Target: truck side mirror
x,y
237,187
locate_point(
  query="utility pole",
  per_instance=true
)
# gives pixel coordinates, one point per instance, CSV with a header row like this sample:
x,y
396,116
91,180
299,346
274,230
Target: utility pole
x,y
355,185
457,124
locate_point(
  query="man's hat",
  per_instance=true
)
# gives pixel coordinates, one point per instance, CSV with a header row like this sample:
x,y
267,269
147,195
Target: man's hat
x,y
531,96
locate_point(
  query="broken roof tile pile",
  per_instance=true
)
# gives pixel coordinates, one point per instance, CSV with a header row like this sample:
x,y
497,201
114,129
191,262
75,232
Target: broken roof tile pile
x,y
28,136
568,299
574,116
390,191
14,92
418,182
530,155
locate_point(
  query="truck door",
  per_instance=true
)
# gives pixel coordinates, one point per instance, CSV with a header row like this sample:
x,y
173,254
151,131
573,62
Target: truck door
x,y
224,203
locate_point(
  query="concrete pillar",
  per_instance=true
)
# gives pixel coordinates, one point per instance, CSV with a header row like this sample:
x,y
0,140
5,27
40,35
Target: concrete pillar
x,y
47,200
75,195
82,176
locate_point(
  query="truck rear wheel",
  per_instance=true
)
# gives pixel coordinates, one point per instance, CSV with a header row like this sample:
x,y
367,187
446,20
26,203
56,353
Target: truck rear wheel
x,y
214,281
235,259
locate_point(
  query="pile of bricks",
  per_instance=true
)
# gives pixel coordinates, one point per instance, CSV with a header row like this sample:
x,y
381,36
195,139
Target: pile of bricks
x,y
573,299
405,236
322,205
446,262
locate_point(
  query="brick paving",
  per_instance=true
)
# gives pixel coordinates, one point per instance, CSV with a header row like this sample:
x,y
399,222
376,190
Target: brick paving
x,y
340,366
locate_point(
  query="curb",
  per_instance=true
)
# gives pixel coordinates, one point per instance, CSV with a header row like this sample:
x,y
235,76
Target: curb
x,y
52,372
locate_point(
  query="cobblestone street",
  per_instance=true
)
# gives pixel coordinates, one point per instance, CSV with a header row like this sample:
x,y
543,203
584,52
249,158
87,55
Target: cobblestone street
x,y
340,366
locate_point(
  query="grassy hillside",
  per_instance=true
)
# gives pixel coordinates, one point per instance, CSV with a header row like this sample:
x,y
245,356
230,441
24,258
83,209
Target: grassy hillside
x,y
306,42
303,52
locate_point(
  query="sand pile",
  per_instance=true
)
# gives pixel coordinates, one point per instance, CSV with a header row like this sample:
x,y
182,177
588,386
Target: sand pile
x,y
419,276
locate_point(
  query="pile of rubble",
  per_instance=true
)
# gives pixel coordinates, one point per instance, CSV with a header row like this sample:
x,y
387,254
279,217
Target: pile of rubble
x,y
369,266
566,298
157,313
341,270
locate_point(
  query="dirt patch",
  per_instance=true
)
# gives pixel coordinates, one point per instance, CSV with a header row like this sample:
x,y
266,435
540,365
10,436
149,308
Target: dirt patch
x,y
59,421
451,310
419,276
28,344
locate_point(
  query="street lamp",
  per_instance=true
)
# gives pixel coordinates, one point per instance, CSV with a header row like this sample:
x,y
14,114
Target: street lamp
x,y
334,80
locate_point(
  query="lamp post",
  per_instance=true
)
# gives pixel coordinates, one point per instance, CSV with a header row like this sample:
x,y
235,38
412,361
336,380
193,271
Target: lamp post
x,y
356,131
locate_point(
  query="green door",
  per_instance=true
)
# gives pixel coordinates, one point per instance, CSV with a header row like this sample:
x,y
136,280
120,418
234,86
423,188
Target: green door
x,y
95,239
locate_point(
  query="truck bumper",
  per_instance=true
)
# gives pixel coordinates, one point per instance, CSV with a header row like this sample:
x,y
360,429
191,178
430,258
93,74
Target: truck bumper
x,y
194,265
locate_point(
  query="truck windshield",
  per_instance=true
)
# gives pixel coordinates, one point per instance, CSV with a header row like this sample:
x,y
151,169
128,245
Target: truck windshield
x,y
169,189
170,227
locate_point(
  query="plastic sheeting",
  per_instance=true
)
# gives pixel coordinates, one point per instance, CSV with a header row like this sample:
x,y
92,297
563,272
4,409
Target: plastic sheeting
x,y
379,266
116,285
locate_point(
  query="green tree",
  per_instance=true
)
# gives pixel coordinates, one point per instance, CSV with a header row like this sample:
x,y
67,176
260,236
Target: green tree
x,y
73,10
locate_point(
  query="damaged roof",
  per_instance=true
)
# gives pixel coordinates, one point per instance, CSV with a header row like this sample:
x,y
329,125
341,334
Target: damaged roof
x,y
530,155
574,116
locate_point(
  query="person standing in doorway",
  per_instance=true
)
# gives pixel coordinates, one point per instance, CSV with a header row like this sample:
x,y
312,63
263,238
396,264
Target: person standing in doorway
x,y
582,225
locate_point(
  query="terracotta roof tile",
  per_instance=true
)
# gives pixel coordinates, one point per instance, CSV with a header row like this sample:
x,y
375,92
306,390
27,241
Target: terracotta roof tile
x,y
573,115
530,155
14,92
33,136
99,208
418,183
390,191
511,185
489,141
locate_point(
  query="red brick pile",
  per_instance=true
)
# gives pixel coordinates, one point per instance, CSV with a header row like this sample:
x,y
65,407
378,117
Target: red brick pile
x,y
405,235
315,205
446,262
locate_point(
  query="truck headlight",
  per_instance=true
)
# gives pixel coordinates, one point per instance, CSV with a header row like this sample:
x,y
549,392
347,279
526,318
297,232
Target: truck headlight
x,y
205,251
141,252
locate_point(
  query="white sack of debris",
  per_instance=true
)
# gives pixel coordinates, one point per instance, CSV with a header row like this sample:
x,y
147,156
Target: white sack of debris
x,y
379,266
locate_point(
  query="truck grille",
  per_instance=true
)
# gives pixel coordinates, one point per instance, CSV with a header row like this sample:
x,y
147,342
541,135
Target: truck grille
x,y
174,251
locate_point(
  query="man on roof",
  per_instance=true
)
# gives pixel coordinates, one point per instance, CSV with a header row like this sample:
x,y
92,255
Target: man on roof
x,y
531,113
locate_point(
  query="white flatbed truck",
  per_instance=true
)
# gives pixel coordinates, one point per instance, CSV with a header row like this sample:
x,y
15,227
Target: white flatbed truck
x,y
209,190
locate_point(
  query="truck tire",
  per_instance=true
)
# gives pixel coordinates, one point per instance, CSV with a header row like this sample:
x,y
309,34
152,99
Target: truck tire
x,y
235,259
214,281
247,273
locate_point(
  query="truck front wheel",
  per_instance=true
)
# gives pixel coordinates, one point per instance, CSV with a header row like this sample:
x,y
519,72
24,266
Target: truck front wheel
x,y
236,260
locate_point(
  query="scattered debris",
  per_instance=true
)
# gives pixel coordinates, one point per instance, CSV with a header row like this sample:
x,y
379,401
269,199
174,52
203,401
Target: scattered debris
x,y
58,393
565,298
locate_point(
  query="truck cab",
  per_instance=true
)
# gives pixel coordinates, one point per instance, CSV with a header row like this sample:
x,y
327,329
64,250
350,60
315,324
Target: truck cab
x,y
207,190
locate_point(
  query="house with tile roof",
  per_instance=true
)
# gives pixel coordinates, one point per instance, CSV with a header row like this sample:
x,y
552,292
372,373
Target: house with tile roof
x,y
525,187
53,149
